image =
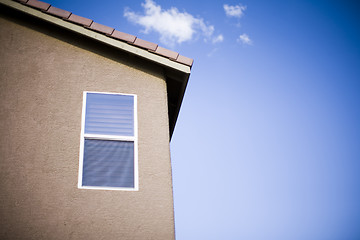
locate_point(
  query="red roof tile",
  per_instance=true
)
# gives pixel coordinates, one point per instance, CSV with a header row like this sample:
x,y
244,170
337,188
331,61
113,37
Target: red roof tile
x,y
88,23
145,44
80,20
123,36
58,12
185,60
167,53
38,4
101,28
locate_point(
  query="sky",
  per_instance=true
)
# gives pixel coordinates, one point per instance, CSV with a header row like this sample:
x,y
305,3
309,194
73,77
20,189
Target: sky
x,y
267,143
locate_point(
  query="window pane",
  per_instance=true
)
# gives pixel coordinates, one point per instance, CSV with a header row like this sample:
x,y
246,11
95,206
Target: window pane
x,y
108,163
109,114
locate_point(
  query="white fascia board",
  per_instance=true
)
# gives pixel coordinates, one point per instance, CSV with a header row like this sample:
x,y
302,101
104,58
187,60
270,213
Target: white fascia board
x,y
99,37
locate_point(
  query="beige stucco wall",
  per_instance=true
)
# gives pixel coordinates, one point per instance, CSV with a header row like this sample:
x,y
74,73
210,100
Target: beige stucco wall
x,y
41,83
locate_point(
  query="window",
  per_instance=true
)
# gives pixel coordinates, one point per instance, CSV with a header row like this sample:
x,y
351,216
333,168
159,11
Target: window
x,y
108,147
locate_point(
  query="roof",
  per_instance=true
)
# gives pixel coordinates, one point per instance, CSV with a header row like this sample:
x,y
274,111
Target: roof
x,y
176,67
106,30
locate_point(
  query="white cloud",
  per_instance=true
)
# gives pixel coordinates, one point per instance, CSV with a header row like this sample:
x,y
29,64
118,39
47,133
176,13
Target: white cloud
x,y
218,39
234,11
172,25
245,39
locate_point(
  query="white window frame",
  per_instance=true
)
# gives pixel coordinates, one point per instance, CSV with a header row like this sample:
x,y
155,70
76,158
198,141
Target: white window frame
x,y
108,137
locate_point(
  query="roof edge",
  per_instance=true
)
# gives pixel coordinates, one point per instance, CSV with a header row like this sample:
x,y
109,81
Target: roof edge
x,y
184,64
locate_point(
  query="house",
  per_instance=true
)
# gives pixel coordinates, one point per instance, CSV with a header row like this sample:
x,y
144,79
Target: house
x,y
86,116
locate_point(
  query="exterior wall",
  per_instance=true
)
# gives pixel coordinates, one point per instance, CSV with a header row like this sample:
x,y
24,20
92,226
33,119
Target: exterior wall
x,y
41,83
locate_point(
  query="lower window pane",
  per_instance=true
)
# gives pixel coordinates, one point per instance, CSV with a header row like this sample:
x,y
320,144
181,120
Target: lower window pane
x,y
108,163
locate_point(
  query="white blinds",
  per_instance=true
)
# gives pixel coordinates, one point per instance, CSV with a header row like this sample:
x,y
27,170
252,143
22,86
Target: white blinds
x,y
109,114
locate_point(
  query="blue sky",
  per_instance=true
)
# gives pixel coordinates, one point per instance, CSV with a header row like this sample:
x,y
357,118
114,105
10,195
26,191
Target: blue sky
x,y
267,143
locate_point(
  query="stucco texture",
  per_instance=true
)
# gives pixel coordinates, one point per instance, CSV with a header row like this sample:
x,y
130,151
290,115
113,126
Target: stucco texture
x,y
42,78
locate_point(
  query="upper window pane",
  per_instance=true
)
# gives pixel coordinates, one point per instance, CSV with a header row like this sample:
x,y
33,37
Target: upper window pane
x,y
109,114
